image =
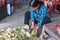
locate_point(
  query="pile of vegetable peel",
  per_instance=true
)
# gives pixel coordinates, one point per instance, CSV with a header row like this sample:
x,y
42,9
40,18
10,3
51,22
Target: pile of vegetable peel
x,y
14,34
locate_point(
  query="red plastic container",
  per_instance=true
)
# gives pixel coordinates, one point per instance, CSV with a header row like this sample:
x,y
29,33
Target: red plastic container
x,y
58,29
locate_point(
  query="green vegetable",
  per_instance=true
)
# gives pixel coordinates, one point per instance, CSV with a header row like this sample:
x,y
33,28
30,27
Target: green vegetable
x,y
33,33
16,34
3,38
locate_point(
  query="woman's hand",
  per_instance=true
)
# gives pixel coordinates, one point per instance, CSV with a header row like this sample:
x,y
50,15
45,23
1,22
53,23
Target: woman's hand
x,y
36,28
32,26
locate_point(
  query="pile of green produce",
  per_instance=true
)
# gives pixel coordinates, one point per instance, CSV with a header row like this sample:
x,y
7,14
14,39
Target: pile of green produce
x,y
14,34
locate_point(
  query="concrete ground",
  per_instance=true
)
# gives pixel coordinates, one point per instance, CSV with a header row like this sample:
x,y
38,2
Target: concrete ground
x,y
15,20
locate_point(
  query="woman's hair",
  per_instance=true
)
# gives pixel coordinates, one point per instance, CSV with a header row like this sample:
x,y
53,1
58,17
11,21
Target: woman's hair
x,y
34,3
30,2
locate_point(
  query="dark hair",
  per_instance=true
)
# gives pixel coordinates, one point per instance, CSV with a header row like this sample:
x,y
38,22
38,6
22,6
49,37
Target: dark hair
x,y
35,3
30,2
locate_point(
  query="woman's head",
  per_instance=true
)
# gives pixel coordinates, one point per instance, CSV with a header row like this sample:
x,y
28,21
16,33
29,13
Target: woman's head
x,y
35,4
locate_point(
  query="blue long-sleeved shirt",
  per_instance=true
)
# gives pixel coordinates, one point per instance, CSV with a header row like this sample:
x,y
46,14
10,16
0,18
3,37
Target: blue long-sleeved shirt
x,y
42,13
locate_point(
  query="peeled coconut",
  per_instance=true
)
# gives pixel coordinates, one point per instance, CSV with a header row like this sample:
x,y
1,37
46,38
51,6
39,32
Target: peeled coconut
x,y
27,34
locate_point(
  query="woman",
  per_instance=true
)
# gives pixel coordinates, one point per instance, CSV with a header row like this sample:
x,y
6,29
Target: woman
x,y
38,14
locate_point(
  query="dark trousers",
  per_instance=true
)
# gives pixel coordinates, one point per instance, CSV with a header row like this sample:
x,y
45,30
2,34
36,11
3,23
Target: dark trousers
x,y
27,18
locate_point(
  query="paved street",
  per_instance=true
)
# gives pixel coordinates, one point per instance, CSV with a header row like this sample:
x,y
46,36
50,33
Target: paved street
x,y
15,20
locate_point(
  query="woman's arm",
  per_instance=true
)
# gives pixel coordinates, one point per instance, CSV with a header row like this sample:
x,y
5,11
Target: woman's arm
x,y
32,17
